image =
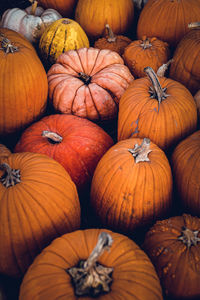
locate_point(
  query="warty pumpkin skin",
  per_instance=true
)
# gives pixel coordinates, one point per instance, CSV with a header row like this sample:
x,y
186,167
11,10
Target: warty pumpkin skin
x,y
173,245
185,162
167,19
61,36
64,7
38,202
23,83
76,143
128,193
133,276
88,83
93,15
163,110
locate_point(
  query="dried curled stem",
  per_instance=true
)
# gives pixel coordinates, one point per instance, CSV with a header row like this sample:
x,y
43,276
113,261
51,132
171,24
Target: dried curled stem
x,y
111,37
10,177
6,45
53,137
140,152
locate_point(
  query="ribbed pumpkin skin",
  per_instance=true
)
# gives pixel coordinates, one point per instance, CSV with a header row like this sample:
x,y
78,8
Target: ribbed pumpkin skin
x,y
185,67
82,146
125,194
93,15
61,36
167,20
177,265
64,7
134,277
23,85
186,170
139,117
4,151
138,55
97,99
43,206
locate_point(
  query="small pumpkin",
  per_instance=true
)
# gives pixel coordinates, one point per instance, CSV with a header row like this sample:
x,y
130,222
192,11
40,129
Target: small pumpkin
x,y
78,265
127,191
88,83
173,245
150,52
159,108
64,7
30,22
61,36
185,163
113,42
38,202
76,143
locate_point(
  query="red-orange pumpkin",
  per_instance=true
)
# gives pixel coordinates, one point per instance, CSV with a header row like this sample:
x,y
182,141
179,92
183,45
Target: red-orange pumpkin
x,y
125,270
173,246
38,202
132,185
76,143
64,7
88,82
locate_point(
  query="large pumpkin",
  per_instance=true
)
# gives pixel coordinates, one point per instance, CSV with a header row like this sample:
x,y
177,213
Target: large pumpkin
x,y
88,82
127,191
186,170
93,15
64,7
76,143
76,266
23,83
38,202
161,109
173,245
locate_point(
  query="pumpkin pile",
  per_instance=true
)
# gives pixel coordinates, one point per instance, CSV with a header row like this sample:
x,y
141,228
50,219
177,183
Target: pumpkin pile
x,y
100,149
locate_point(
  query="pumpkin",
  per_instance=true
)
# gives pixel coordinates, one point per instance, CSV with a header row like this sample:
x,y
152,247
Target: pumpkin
x,y
61,36
4,151
64,7
38,202
173,245
167,19
93,15
127,191
159,108
150,52
30,22
80,259
185,163
113,42
186,60
88,83
23,83
197,100
76,143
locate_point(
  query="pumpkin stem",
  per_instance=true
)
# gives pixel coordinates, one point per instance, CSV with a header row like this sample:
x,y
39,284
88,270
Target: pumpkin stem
x,y
84,77
140,152
52,137
33,7
189,237
66,21
111,37
6,45
194,25
156,91
162,69
91,278
10,177
145,44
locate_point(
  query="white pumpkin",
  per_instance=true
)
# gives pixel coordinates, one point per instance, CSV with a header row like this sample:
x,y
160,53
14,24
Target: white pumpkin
x,y
30,22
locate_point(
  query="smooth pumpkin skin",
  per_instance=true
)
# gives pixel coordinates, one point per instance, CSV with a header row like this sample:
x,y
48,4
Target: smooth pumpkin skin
x,y
167,19
177,265
83,144
93,15
139,116
185,163
64,7
43,206
126,195
134,277
23,85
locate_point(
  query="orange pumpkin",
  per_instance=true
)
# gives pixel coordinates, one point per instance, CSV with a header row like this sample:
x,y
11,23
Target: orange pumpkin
x,y
173,245
161,109
127,191
123,272
186,170
64,7
38,202
197,100
23,83
88,83
167,20
4,151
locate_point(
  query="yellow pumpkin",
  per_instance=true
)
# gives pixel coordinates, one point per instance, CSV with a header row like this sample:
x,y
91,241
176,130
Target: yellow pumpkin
x,y
62,35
